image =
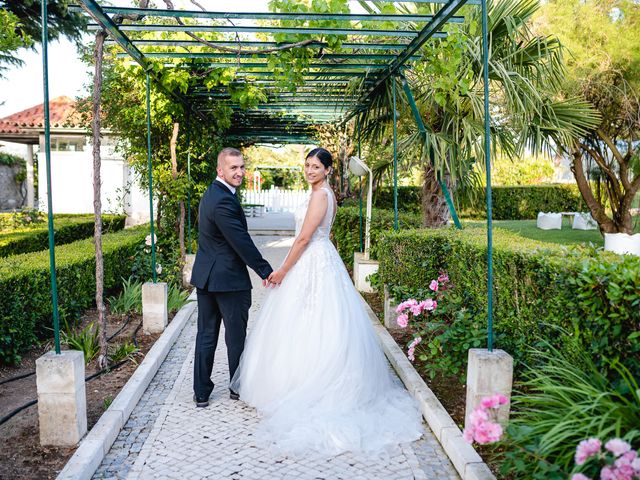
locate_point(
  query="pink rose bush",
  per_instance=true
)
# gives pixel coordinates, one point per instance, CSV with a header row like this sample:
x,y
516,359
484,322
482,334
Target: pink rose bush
x,y
617,461
415,310
482,427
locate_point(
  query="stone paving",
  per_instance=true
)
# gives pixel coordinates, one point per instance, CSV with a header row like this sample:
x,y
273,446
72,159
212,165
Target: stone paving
x,y
167,437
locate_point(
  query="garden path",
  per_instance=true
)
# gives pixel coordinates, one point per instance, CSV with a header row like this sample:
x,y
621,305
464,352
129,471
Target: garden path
x,y
167,437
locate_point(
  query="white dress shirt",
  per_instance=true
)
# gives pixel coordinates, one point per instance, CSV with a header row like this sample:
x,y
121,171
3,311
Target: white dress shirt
x,y
233,189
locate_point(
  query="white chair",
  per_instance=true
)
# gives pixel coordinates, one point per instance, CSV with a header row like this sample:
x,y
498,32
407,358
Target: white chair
x,y
584,221
622,243
549,221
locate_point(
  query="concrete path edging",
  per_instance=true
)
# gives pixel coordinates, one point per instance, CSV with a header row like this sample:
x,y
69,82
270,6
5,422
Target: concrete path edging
x,y
96,444
465,459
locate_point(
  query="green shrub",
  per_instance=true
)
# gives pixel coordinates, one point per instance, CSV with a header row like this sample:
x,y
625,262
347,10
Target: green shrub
x,y
565,400
25,303
409,199
509,203
67,230
524,202
346,230
537,289
86,341
129,300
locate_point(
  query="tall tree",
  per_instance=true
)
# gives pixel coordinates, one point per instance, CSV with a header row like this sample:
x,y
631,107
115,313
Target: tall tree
x,y
603,38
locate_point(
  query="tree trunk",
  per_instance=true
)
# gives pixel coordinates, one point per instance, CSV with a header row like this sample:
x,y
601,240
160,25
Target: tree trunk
x,y
103,359
622,222
435,212
174,171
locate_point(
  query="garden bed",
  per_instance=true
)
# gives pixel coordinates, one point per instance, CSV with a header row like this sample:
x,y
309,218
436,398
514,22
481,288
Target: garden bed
x,y
21,455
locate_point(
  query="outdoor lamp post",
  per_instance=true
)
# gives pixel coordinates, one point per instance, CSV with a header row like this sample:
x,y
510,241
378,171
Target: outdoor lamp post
x,y
360,169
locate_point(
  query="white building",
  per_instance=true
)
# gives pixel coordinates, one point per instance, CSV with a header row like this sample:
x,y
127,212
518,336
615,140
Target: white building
x,y
71,163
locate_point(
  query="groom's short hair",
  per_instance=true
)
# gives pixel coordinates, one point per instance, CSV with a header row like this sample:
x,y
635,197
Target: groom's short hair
x,y
228,152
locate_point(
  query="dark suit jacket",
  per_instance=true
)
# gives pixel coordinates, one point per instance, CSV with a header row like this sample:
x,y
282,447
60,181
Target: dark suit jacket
x,y
224,245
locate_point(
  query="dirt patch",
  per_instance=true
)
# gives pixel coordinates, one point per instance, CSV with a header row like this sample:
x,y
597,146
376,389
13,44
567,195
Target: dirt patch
x,y
21,455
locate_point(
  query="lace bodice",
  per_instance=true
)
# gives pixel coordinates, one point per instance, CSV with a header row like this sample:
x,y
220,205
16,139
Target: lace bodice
x,y
324,229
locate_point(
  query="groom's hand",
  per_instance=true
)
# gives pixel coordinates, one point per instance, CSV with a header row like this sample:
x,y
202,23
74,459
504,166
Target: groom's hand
x,y
277,276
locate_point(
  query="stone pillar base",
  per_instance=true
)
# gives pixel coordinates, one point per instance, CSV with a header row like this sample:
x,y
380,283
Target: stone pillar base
x,y
362,268
489,373
187,269
154,307
62,401
390,314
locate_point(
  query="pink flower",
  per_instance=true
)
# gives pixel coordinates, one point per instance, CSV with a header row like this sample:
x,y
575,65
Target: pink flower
x,y
636,465
443,278
586,449
607,473
415,309
494,401
487,432
434,285
410,354
406,304
579,476
478,416
403,320
414,343
617,446
624,465
427,304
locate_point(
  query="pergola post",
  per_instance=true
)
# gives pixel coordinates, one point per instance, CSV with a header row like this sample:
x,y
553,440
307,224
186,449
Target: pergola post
x,y
487,159
189,179
62,406
47,153
154,295
489,371
150,172
360,189
395,157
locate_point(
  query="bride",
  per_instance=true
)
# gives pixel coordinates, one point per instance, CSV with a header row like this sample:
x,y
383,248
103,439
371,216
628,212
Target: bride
x,y
312,365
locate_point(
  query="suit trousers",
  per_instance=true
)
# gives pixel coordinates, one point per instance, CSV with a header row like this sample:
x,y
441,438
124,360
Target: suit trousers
x,y
213,308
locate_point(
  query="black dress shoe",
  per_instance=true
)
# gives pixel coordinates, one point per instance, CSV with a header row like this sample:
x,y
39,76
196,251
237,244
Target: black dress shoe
x,y
233,395
200,402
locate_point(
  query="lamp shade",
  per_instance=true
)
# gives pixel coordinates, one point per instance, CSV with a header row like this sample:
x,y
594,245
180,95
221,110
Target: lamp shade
x,y
358,167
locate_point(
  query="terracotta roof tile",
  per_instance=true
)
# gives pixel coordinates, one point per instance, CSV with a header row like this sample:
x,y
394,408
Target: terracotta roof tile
x,y
62,113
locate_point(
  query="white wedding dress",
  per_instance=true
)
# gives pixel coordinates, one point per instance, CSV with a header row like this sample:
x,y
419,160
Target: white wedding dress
x,y
312,365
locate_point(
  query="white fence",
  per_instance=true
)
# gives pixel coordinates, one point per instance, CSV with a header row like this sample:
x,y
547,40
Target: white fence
x,y
276,199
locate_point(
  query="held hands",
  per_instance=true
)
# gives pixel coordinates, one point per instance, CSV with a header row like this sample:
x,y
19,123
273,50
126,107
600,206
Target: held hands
x,y
276,277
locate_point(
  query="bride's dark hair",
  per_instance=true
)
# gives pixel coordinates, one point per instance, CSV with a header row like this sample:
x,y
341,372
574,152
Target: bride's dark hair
x,y
323,155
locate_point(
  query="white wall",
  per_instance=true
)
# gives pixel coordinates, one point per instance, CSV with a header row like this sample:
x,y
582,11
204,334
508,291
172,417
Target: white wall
x,y
72,185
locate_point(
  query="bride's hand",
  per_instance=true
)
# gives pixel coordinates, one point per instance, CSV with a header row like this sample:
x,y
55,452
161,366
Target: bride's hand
x,y
277,276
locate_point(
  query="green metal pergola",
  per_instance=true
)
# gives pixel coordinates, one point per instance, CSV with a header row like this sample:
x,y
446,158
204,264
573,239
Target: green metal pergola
x,y
338,82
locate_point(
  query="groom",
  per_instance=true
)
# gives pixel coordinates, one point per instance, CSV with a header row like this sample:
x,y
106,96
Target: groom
x,y
220,273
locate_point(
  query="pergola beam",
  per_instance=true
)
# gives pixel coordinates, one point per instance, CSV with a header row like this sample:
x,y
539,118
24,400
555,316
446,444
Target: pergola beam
x,y
257,29
287,16
256,44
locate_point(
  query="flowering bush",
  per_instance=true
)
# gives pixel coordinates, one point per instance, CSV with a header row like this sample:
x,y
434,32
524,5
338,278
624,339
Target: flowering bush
x,y
618,461
482,426
442,331
415,308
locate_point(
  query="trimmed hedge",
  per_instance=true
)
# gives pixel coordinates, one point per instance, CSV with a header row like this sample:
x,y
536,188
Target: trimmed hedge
x,y
25,302
538,287
346,230
509,203
67,230
524,202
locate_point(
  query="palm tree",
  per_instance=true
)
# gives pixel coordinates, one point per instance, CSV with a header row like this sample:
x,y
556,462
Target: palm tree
x,y
525,72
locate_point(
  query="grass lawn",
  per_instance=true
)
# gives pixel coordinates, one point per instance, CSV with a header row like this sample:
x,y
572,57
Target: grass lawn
x,y
566,236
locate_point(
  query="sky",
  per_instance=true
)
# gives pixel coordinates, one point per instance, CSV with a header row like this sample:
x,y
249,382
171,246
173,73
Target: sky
x,y
21,87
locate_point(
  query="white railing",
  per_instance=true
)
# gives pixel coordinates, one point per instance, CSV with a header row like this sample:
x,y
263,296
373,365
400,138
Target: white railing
x,y
276,199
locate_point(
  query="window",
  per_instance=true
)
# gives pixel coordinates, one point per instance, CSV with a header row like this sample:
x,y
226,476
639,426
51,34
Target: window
x,y
67,144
